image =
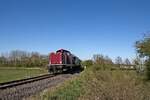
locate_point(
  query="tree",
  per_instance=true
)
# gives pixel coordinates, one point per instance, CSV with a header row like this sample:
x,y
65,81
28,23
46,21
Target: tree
x,y
127,62
19,58
118,61
2,60
102,62
139,64
143,49
87,63
98,59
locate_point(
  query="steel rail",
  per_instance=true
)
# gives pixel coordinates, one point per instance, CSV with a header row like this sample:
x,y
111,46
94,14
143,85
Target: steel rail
x,y
23,81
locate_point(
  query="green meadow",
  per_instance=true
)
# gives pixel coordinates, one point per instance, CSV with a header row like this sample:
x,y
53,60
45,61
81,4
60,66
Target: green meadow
x,y
15,73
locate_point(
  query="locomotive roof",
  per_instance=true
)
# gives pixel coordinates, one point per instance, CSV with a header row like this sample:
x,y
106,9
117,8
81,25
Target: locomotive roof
x,y
62,50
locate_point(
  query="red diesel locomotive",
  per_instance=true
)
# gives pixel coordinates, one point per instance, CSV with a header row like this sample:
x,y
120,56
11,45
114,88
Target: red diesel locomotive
x,y
63,60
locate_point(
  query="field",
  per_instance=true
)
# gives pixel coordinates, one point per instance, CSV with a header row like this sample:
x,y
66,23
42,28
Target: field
x,y
100,85
12,73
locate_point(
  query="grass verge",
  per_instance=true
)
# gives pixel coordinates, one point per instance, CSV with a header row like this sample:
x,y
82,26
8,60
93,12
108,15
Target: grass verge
x,y
100,85
9,74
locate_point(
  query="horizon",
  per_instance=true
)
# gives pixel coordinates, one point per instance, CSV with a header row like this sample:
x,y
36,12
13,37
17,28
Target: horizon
x,y
109,27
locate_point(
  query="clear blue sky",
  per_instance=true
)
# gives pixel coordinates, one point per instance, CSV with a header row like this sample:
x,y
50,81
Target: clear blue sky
x,y
85,27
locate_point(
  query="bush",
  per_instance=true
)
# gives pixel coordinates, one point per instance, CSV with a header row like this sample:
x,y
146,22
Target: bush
x,y
114,85
148,69
87,63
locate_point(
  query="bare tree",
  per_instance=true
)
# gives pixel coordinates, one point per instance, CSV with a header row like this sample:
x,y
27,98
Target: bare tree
x,y
118,60
127,62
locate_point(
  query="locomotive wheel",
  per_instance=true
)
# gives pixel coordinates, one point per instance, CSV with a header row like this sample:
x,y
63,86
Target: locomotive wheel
x,y
50,71
54,70
61,69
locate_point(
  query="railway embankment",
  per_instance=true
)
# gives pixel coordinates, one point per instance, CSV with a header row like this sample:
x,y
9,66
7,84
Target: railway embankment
x,y
97,84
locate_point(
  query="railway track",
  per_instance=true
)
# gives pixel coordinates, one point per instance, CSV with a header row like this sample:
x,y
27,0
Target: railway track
x,y
23,81
22,89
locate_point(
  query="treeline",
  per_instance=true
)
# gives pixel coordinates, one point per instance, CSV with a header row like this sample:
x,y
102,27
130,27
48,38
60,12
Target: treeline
x,y
18,58
100,61
141,63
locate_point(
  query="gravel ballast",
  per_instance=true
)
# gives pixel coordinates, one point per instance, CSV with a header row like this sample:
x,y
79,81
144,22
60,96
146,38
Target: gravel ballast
x,y
26,90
